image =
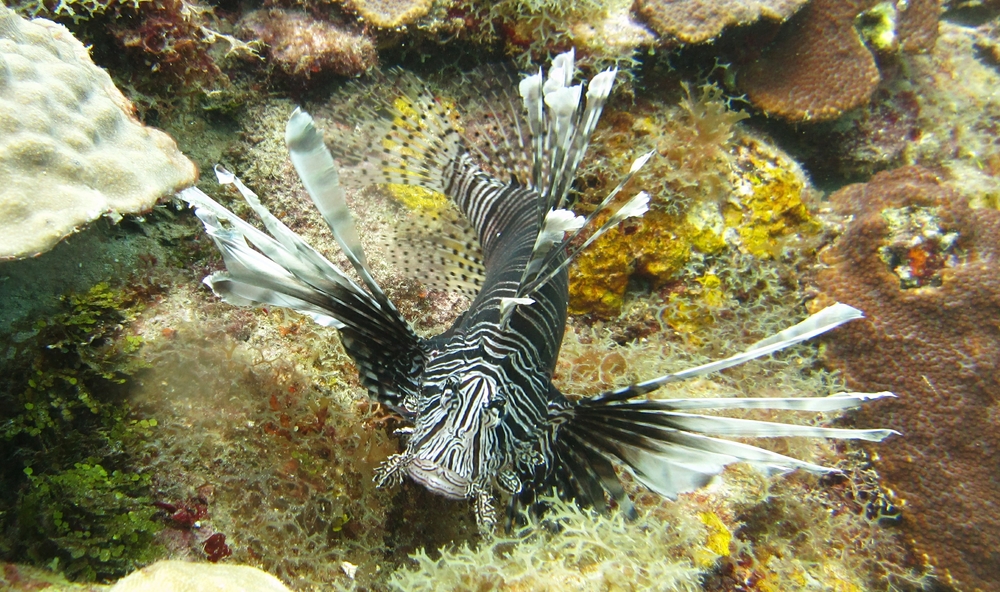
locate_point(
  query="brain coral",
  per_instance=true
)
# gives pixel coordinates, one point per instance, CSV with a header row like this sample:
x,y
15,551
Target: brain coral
x,y
819,67
70,148
935,343
697,21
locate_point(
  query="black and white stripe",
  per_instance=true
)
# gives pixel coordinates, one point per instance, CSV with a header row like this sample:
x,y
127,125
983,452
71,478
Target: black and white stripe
x,y
480,395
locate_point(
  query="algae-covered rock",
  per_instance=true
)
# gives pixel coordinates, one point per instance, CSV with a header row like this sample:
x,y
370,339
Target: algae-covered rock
x,y
184,576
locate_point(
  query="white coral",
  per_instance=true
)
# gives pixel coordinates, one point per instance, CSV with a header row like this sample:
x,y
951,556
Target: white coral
x,y
71,149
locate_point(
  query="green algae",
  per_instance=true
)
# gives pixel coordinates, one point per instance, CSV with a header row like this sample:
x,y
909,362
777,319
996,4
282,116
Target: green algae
x,y
73,503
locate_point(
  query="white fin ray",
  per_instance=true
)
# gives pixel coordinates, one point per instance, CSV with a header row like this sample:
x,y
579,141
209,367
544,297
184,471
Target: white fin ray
x,y
835,402
816,324
318,172
561,123
736,427
557,223
249,274
530,89
289,251
637,206
671,462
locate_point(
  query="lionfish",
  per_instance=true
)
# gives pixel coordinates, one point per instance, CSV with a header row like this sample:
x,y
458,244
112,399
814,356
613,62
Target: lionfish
x,y
485,414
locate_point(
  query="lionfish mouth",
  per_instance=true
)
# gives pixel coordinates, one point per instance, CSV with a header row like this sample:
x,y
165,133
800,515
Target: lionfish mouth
x,y
439,479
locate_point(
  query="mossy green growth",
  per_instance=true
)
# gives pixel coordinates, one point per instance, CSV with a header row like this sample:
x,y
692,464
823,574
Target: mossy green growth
x,y
69,497
89,523
74,354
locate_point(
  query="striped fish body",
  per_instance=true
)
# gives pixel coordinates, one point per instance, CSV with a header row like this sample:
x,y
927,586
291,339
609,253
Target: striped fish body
x,y
485,413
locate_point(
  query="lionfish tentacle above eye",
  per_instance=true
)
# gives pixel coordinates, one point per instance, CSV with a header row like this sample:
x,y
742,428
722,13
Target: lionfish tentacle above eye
x,y
485,414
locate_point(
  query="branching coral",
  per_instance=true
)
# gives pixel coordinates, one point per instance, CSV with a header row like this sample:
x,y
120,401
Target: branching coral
x,y
938,348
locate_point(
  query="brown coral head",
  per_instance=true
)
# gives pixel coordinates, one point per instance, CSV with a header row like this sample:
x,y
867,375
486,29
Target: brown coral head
x,y
817,68
923,266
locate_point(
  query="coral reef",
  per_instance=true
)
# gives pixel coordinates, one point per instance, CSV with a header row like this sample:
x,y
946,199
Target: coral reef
x,y
818,67
303,46
718,190
698,21
957,122
918,115
72,149
937,345
603,32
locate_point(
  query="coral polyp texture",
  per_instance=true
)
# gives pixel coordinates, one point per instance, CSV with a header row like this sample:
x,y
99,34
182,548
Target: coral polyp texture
x,y
71,149
936,343
302,46
698,21
819,66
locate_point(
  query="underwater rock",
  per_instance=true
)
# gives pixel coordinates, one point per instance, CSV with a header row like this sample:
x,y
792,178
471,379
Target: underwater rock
x,y
698,21
936,343
185,576
72,149
303,46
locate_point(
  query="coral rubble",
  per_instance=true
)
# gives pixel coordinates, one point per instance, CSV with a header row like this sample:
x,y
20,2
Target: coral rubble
x,y
72,149
937,345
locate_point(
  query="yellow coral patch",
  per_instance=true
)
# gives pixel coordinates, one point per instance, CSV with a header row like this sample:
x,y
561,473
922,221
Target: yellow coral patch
x,y
774,207
719,536
599,276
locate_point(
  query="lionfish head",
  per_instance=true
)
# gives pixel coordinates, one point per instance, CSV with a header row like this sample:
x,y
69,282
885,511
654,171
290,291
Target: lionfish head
x,y
454,448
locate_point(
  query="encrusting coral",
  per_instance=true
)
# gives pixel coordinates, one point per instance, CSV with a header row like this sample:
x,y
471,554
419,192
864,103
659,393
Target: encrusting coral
x,y
819,66
303,46
71,148
923,267
389,14
195,577
698,21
